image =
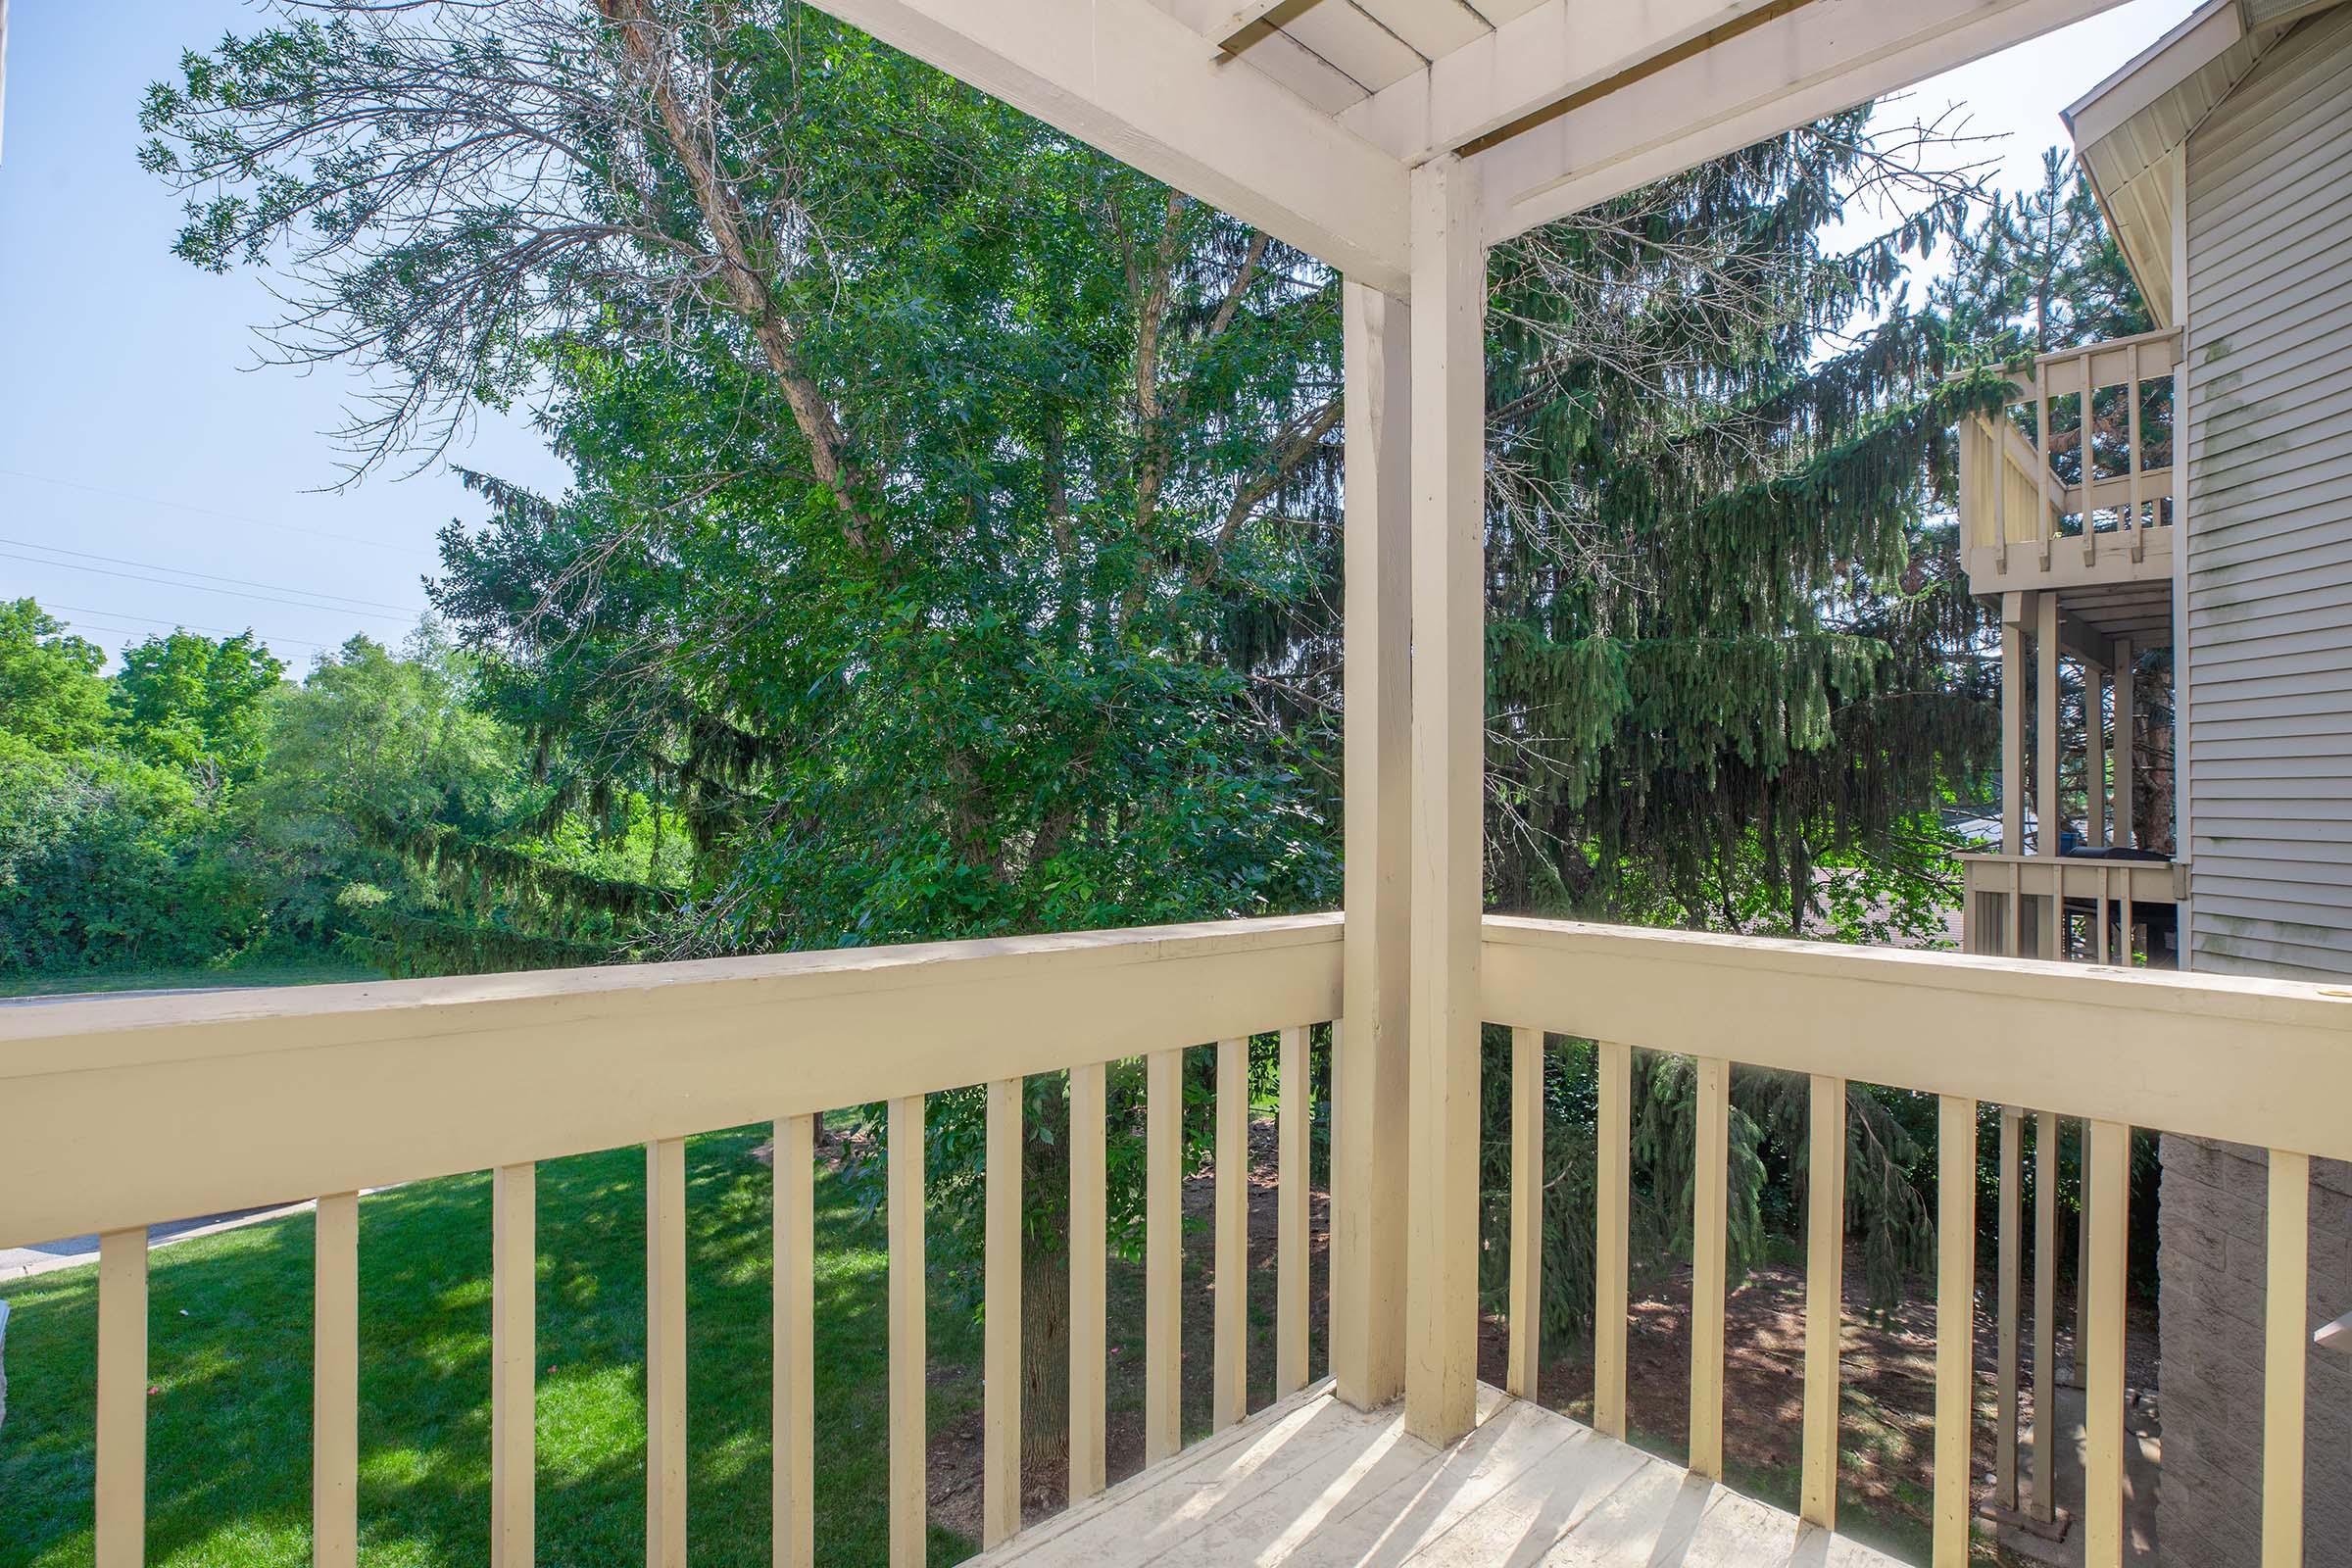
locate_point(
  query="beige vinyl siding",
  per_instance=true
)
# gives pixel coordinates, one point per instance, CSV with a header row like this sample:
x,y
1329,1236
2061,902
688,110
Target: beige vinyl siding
x,y
2269,709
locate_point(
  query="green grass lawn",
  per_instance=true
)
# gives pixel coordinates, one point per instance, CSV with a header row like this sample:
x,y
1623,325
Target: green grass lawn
x,y
228,1430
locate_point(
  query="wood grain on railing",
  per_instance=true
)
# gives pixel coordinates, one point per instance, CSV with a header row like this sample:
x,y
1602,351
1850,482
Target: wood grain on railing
x,y
665,1354
1001,1352
1229,1366
2285,1348
514,1364
1526,1315
122,1459
1293,1121
792,1282
1089,1174
910,1339
1710,1192
1163,1255
335,1383
1825,1293
1612,1187
1955,1323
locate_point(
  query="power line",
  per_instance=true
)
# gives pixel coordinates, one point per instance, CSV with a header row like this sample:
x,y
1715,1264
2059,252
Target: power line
x,y
176,625
209,576
230,593
205,511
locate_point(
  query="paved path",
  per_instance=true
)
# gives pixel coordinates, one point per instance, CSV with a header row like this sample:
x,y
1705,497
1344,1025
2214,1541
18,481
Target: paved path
x,y
23,1262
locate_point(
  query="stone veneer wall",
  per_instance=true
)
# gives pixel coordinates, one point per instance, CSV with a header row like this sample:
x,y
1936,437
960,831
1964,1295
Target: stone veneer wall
x,y
2211,1256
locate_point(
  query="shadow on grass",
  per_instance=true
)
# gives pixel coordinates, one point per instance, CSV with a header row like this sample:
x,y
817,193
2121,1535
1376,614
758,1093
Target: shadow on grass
x,y
229,1367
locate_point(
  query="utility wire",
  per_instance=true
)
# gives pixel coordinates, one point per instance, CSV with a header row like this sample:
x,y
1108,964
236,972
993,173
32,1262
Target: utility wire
x,y
176,625
231,593
209,576
206,511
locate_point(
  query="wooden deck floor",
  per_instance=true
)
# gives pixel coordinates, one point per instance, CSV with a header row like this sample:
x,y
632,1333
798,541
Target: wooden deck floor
x,y
1314,1484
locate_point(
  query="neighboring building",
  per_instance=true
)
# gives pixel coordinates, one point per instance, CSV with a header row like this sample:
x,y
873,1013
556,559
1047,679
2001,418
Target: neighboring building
x,y
2219,157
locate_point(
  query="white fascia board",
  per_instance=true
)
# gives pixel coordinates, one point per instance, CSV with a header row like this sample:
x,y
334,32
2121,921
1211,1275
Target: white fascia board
x,y
1559,48
1816,60
2207,33
1127,78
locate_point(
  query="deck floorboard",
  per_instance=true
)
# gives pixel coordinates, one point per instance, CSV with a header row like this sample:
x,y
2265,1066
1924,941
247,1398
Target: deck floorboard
x,y
1310,1483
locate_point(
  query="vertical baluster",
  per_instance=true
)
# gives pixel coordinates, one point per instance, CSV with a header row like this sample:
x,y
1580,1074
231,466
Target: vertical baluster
x,y
793,1278
1000,1370
1955,1322
2139,541
122,1484
1527,1211
335,1383
2083,1207
1825,1297
1090,1470
514,1354
2045,1314
2110,1172
1708,1219
1163,1253
665,1354
1611,1216
909,1345
2104,909
2046,524
2285,1343
2011,1221
1229,1369
1294,1120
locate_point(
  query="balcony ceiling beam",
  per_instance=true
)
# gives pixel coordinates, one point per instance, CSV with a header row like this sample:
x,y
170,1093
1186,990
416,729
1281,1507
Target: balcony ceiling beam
x,y
1128,78
1812,60
1537,61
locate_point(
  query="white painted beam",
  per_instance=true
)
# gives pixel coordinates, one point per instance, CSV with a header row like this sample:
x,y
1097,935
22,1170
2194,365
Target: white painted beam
x,y
1818,59
1132,80
1553,51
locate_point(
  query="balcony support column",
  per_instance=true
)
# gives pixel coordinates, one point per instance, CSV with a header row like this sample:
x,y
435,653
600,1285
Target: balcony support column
x,y
2094,760
2050,815
2015,608
2126,702
1369,1056
1448,738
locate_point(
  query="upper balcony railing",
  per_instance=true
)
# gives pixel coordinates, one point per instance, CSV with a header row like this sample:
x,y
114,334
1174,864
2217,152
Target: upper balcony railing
x,y
116,1113
2098,413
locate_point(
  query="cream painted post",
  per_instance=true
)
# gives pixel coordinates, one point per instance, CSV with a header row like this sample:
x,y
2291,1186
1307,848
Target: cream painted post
x,y
1163,1253
2109,1173
1711,1179
1229,1367
514,1364
1825,1297
335,1384
1292,1122
1449,728
1955,1323
2286,1345
1090,1170
2095,762
2010,1222
1001,1327
910,1339
2045,1313
2050,815
122,1479
665,1354
2083,1207
1611,1216
2126,703
1370,1061
2013,609
791,1278
1527,1212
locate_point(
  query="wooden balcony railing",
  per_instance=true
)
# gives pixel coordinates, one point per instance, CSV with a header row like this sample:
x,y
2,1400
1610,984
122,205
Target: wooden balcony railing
x,y
116,1113
2260,1062
2010,496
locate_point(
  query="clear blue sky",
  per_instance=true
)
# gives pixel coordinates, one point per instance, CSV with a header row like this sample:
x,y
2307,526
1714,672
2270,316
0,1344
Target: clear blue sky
x,y
134,430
